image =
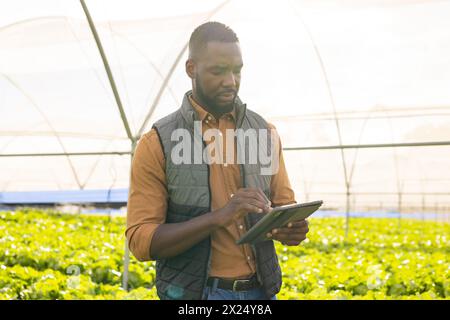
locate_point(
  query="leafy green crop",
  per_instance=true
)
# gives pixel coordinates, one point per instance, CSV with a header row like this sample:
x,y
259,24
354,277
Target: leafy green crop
x,y
48,255
378,260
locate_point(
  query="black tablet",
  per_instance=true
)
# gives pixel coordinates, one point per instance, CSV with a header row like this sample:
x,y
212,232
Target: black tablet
x,y
278,217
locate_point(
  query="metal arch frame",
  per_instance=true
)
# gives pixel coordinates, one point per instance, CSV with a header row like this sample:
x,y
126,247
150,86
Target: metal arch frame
x,y
139,51
352,169
172,69
347,178
54,133
333,106
132,138
376,145
108,71
47,121
122,115
331,147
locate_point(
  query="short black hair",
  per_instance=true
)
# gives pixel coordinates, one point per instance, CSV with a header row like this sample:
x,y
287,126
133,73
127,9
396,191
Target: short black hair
x,y
208,32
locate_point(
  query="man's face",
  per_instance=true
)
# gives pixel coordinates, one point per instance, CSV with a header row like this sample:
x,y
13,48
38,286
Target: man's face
x,y
216,75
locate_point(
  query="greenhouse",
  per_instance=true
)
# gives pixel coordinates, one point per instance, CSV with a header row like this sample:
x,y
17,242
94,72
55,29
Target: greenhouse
x,y
357,90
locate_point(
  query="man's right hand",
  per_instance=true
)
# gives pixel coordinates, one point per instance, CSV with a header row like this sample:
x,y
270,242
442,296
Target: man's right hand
x,y
171,239
245,200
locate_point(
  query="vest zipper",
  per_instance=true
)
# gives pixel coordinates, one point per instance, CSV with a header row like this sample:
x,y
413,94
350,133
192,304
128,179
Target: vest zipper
x,y
258,274
247,223
208,267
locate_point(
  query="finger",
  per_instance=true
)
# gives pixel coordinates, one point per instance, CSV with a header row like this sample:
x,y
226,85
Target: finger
x,y
284,240
254,198
288,237
290,230
258,194
292,243
255,192
263,195
241,202
298,224
244,208
258,203
252,207
246,195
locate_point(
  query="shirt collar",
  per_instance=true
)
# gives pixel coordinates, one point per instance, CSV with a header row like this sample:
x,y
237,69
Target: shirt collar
x,y
203,114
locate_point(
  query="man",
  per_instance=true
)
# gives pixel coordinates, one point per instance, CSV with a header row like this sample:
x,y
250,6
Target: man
x,y
187,216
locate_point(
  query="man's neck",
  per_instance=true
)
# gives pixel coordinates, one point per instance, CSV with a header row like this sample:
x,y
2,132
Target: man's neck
x,y
216,113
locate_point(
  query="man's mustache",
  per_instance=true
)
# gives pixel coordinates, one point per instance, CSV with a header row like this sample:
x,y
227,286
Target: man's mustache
x,y
227,91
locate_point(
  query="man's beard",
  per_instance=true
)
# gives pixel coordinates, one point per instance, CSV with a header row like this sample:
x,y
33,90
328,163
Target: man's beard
x,y
210,103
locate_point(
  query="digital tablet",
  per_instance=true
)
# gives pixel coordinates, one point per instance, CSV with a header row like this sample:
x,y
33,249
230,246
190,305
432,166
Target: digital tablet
x,y
278,217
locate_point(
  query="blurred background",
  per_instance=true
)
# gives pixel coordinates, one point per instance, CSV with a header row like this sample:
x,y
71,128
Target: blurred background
x,y
358,90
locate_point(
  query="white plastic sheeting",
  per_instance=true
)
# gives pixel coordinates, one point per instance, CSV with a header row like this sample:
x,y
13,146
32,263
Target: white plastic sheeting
x,y
326,73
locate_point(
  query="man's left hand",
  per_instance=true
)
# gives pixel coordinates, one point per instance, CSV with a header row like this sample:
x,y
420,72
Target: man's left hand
x,y
291,235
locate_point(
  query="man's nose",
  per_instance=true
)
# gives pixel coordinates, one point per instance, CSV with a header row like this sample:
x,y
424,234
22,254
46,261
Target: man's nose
x,y
230,80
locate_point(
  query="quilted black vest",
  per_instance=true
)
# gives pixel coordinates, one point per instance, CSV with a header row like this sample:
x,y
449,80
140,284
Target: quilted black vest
x,y
184,276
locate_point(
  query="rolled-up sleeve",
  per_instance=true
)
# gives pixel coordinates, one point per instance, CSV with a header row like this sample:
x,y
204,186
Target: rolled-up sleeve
x,y
147,199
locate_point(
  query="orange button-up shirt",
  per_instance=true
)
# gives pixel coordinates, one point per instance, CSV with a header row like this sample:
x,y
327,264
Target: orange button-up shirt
x,y
148,198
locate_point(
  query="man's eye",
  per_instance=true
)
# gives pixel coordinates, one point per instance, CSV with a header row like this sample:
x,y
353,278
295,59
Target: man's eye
x,y
217,71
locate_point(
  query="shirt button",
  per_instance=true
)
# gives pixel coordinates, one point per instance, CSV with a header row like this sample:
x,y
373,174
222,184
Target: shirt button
x,y
241,226
248,257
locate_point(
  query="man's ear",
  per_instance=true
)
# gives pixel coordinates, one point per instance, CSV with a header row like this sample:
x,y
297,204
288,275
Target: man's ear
x,y
190,68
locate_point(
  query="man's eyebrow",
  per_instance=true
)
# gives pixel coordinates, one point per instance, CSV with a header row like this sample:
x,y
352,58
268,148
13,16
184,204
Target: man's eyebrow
x,y
224,66
221,66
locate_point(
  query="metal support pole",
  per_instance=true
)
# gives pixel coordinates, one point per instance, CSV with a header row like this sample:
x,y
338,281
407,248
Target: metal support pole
x,y
126,255
126,264
108,70
399,209
122,115
347,212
